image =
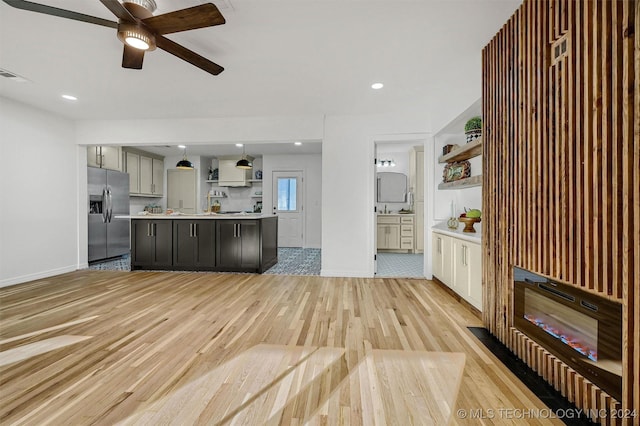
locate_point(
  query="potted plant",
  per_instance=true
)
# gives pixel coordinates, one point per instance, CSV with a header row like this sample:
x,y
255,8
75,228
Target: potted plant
x,y
473,129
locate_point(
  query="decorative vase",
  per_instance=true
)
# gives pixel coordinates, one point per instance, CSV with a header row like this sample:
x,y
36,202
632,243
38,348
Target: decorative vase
x,y
468,223
452,223
473,134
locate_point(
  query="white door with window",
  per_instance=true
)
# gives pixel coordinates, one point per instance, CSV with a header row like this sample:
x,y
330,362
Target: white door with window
x,y
287,204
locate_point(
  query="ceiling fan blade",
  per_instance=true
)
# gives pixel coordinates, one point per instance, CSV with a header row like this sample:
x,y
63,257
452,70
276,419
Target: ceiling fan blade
x,y
62,13
188,55
132,57
119,10
205,15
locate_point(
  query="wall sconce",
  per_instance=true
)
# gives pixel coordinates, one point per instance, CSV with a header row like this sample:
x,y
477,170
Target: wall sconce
x,y
386,163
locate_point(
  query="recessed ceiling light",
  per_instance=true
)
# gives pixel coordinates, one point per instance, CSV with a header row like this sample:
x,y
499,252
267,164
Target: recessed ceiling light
x,y
239,145
70,97
297,143
377,86
182,146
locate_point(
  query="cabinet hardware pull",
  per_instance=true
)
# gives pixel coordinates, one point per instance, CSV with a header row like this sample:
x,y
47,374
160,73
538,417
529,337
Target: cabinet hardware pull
x,y
148,229
239,230
195,230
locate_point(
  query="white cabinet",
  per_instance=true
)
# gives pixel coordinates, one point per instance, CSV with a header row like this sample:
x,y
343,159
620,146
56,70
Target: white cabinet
x,y
416,178
105,157
181,190
388,237
230,175
151,176
442,258
395,232
474,291
146,173
132,166
458,264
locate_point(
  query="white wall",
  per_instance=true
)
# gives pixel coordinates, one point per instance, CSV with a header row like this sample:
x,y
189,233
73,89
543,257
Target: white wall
x,y
39,201
348,220
311,167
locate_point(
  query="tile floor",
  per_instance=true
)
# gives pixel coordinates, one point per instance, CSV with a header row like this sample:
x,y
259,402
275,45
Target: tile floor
x,y
400,265
291,261
299,261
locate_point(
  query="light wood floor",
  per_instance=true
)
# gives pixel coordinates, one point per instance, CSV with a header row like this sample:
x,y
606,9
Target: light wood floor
x,y
103,347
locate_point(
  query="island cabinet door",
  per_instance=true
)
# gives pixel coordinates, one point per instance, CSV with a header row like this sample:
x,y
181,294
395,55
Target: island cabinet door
x,y
238,244
228,244
249,243
194,243
151,243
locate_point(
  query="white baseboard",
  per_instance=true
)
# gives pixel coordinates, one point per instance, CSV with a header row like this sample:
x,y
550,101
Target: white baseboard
x,y
6,282
346,274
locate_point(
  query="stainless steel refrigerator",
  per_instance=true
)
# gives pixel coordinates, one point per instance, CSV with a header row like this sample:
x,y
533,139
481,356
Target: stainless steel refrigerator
x,y
108,198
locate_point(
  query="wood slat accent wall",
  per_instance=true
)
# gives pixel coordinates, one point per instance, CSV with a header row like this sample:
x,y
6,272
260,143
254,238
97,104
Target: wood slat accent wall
x,y
561,180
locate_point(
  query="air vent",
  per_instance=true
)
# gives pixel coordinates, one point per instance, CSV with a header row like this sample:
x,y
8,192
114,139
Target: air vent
x,y
13,77
559,49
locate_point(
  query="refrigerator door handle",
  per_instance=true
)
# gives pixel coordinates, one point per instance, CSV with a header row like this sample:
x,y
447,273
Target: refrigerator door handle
x,y
109,204
104,205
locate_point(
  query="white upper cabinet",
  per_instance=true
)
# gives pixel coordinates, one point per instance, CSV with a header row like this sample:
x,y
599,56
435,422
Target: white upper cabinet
x,y
146,173
181,190
106,157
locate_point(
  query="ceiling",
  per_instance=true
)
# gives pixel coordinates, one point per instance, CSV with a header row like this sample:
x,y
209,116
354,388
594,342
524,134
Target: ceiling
x,y
255,149
281,58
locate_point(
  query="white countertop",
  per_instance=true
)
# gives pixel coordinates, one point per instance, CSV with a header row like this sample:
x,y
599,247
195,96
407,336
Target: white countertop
x,y
197,216
476,237
396,214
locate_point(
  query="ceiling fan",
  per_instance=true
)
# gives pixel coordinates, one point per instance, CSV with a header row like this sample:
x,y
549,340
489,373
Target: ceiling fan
x,y
139,30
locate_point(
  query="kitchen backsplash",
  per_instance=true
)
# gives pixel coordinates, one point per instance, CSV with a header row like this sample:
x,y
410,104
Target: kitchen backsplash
x,y
234,199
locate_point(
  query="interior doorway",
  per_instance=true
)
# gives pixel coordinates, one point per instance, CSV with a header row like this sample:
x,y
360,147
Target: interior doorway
x,y
287,204
399,220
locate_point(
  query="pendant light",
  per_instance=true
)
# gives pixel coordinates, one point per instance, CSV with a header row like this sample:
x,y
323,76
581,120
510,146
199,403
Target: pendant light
x,y
244,163
184,163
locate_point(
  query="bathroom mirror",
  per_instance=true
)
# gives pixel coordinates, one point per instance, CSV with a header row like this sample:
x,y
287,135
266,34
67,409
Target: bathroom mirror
x,y
392,187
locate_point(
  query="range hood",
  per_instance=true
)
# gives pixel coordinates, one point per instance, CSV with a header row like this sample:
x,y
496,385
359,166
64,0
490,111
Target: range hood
x,y
230,175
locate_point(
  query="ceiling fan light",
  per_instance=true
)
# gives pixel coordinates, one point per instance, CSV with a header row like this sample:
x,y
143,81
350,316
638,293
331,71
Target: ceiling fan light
x,y
136,42
136,36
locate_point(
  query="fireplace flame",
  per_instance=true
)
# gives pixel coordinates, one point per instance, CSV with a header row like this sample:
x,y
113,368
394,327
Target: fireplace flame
x,y
571,341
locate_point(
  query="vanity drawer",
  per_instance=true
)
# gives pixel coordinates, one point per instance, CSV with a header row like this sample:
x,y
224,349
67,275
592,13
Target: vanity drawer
x,y
406,219
388,219
406,243
406,230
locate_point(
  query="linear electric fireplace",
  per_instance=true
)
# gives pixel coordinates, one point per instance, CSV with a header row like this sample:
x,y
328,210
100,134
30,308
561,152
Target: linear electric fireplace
x,y
580,328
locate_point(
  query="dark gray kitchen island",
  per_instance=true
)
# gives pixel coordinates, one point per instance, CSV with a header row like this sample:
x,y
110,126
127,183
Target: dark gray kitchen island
x,y
210,242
